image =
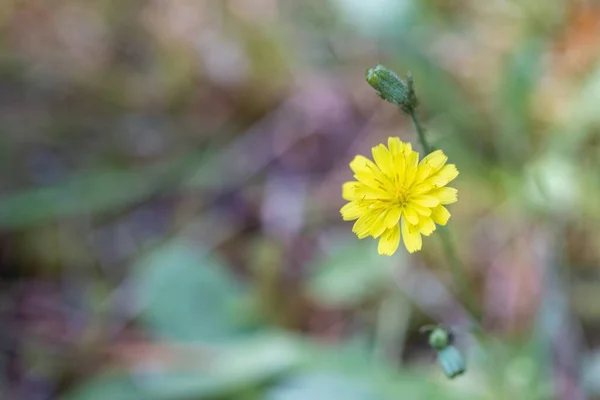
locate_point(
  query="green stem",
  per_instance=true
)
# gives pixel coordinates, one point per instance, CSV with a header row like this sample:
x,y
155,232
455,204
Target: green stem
x,y
460,279
427,148
459,275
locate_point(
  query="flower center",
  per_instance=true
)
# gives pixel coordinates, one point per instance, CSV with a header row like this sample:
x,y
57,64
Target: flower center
x,y
402,195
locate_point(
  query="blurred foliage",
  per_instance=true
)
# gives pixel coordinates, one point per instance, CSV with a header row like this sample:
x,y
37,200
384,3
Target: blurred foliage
x,y
170,179
349,275
175,284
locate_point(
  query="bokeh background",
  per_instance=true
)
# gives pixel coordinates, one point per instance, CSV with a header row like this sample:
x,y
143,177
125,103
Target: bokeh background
x,y
170,177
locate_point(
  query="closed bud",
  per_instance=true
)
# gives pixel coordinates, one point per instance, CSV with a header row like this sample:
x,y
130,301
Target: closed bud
x,y
393,89
439,338
452,362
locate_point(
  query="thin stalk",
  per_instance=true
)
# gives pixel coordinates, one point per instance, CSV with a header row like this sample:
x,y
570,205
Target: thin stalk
x,y
462,284
461,281
427,148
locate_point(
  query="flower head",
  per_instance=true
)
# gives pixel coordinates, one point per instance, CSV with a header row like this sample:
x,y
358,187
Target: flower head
x,y
398,196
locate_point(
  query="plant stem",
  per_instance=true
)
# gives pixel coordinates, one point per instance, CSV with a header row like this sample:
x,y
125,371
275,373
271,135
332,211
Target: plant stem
x,y
459,275
427,148
462,284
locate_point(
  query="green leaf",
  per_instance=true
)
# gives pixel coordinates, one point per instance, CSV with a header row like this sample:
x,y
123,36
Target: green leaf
x,y
383,379
521,75
351,273
246,363
87,192
322,385
112,385
581,119
186,295
374,17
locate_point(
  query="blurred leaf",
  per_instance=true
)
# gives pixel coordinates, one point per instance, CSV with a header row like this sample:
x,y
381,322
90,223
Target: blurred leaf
x,y
581,118
375,17
519,81
351,273
385,381
187,295
237,366
88,192
321,386
552,185
112,188
112,385
504,370
591,373
521,75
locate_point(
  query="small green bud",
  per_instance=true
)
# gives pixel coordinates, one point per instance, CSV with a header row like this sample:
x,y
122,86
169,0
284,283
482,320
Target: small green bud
x,y
452,362
439,338
393,89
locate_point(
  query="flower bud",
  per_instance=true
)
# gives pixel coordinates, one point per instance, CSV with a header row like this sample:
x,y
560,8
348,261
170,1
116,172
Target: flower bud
x,y
393,89
439,338
452,362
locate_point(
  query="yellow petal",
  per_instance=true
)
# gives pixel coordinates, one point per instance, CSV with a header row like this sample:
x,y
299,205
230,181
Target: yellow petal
x,y
422,188
362,226
367,172
362,164
388,243
393,216
349,191
423,171
430,165
359,191
440,215
398,158
444,175
399,174
434,159
412,162
425,211
447,195
383,159
378,226
353,210
411,215
426,200
412,237
370,180
426,226
370,193
396,146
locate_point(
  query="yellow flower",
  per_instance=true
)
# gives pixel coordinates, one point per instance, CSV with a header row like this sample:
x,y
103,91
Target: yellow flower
x,y
398,193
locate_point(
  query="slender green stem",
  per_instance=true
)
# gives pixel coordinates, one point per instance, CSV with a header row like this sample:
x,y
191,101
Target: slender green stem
x,y
459,275
462,284
427,148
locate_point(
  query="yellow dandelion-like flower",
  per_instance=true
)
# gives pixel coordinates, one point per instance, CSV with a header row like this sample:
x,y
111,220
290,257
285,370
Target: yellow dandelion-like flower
x,y
397,193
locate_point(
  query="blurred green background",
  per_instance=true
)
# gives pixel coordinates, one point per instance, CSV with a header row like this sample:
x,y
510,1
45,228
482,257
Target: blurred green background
x,y
170,176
